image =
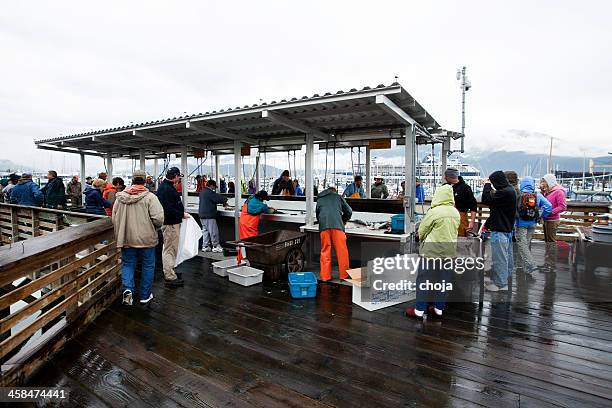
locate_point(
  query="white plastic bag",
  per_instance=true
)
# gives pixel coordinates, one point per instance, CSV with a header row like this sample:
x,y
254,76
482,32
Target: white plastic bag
x,y
189,241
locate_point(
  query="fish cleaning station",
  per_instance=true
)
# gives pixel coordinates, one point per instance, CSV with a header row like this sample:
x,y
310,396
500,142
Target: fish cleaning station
x,y
369,117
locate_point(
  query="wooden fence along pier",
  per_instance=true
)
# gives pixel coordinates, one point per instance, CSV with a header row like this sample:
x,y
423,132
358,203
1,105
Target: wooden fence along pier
x,y
55,278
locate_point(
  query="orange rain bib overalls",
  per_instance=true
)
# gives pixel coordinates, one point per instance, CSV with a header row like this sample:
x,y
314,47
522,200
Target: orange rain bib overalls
x,y
249,227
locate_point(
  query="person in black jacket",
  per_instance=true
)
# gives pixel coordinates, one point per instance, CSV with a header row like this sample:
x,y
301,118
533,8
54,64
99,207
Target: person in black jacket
x,y
209,199
502,205
283,185
54,191
174,212
464,201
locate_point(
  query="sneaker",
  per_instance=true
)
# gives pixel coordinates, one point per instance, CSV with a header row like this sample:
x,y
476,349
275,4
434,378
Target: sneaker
x,y
434,312
175,283
218,248
206,249
494,288
147,300
413,313
127,297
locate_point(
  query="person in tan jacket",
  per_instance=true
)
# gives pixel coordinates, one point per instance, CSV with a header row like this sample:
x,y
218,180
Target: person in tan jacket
x,y
137,213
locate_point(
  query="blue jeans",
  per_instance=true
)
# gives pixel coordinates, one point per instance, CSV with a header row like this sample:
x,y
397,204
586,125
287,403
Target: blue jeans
x,y
433,274
129,257
502,257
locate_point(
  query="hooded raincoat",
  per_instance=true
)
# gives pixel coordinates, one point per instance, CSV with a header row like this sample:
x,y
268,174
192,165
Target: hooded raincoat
x,y
501,201
438,229
136,215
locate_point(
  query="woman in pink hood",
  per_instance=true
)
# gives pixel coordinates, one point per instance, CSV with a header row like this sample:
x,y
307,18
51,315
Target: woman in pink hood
x,y
555,194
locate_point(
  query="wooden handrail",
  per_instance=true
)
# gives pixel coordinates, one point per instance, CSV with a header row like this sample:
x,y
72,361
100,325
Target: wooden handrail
x,y
19,222
76,272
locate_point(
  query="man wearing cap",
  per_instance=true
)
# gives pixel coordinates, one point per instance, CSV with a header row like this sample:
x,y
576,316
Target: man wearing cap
x,y
209,199
250,215
379,189
464,201
174,212
26,192
137,214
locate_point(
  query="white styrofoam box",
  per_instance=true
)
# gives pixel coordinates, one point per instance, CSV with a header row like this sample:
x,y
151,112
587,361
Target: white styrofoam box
x,y
380,299
220,268
245,275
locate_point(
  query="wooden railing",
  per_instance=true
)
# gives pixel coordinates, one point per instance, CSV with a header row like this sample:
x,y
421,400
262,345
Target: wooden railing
x,y
52,286
577,214
19,222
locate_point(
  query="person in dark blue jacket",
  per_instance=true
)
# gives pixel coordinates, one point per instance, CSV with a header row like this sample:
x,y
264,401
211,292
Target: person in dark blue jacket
x,y
26,192
94,202
174,212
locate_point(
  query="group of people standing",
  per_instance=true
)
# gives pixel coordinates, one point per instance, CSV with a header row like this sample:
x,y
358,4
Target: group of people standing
x,y
516,206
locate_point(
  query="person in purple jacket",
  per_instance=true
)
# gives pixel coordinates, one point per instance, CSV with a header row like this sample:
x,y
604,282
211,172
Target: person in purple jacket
x,y
555,194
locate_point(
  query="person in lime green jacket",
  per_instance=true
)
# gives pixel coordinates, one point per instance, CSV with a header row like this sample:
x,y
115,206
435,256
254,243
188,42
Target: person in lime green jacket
x,y
438,237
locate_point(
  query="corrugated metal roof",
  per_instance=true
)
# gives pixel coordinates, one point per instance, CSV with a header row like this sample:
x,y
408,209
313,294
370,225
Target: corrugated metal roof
x,y
342,112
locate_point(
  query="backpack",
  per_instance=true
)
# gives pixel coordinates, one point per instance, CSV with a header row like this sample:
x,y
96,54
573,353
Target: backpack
x,y
528,207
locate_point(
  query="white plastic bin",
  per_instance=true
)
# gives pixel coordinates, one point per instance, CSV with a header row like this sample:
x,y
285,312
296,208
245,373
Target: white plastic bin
x,y
245,275
220,268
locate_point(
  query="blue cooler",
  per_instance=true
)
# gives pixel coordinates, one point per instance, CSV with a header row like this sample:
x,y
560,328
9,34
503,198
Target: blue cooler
x,y
302,285
397,223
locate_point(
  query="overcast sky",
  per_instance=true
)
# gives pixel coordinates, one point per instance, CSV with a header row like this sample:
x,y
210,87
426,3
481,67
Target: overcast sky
x,y
537,68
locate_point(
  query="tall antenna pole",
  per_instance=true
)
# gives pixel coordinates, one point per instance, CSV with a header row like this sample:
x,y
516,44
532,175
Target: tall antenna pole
x,y
462,105
465,86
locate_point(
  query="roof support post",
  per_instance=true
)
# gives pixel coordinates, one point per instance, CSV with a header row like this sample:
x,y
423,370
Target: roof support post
x,y
445,151
237,187
185,172
83,176
257,166
309,181
109,168
217,166
143,160
368,173
410,187
155,172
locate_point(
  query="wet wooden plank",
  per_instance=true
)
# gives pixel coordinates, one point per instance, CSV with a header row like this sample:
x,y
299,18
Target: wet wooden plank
x,y
342,361
108,382
233,378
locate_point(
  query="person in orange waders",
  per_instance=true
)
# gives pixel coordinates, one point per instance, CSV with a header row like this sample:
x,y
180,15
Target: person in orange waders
x,y
332,213
250,215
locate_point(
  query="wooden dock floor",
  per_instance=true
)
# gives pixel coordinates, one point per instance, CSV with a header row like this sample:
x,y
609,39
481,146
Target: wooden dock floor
x,y
213,344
